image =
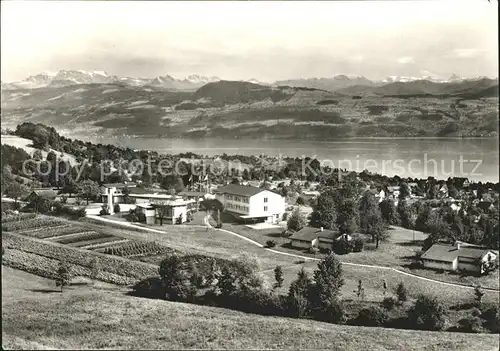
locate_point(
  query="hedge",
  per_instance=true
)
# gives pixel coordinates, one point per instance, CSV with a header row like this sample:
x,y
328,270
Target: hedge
x,y
17,217
38,222
112,264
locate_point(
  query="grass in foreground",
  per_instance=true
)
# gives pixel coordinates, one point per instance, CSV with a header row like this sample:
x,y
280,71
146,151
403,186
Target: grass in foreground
x,y
84,317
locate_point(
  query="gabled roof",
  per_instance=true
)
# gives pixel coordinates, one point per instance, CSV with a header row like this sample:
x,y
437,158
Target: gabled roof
x,y
236,189
311,233
45,193
448,253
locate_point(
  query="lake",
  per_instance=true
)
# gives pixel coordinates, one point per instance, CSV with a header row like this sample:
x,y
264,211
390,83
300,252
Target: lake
x,y
474,158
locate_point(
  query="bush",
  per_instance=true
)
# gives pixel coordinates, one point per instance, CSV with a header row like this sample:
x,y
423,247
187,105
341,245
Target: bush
x,y
18,217
358,244
401,293
342,247
491,319
271,243
470,324
427,314
313,250
116,208
150,288
372,317
388,303
333,312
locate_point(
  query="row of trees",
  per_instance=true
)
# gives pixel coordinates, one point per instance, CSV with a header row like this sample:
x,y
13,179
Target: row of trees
x,y
344,210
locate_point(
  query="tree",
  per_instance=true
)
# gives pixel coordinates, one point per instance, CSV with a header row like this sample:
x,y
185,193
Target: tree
x,y
388,211
126,195
404,191
161,213
298,294
297,221
300,201
63,276
278,276
427,314
347,217
401,293
219,221
360,292
479,293
406,214
367,206
325,213
175,277
88,189
68,185
328,281
16,190
172,182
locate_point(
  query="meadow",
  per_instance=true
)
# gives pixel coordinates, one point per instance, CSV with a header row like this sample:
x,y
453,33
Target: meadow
x,y
104,317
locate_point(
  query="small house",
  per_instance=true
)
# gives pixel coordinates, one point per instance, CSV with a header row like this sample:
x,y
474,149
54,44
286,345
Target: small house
x,y
459,257
46,194
38,196
309,237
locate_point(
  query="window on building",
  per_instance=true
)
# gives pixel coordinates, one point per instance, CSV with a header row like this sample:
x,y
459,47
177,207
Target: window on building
x,y
265,199
265,208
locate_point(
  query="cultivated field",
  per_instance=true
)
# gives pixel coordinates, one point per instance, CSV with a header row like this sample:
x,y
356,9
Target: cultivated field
x,y
85,318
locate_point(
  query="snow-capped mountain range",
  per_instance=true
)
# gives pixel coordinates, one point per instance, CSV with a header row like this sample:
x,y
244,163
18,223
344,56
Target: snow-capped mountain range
x,y
74,77
192,82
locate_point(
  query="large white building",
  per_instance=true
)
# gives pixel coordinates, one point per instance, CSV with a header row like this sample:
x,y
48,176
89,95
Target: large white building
x,y
251,203
156,205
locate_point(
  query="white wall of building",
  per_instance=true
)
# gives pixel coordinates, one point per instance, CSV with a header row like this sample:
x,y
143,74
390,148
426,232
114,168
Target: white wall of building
x,y
267,204
441,265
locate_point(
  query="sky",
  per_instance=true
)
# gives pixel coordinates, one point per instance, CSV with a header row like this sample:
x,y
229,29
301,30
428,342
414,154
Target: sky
x,y
267,41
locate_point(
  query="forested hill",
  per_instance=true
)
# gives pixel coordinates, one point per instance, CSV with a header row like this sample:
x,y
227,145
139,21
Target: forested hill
x,y
244,109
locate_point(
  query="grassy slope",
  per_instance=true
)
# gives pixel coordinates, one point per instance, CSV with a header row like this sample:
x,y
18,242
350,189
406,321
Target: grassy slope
x,y
220,244
397,252
84,317
27,146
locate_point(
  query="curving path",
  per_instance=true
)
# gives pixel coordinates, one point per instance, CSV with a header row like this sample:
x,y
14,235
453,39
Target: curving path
x,y
305,258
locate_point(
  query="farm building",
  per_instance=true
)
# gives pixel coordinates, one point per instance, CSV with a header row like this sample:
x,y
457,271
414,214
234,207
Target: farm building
x,y
38,197
249,203
309,237
459,257
47,194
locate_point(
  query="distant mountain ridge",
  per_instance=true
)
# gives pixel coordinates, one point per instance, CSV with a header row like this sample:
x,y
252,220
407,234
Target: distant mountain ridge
x,y
75,77
350,83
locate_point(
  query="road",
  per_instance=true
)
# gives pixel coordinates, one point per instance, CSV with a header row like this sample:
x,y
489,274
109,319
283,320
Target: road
x,y
305,258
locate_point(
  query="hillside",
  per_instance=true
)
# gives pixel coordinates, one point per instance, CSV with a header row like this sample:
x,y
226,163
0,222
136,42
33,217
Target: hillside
x,y
84,317
422,87
243,109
